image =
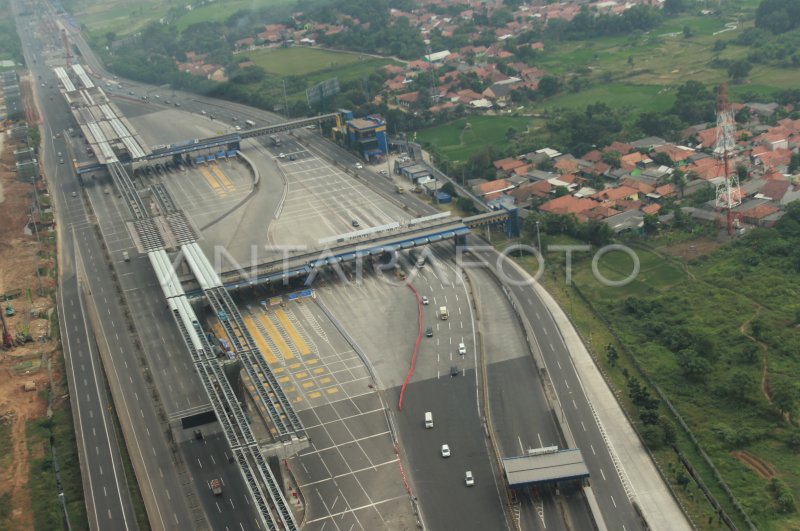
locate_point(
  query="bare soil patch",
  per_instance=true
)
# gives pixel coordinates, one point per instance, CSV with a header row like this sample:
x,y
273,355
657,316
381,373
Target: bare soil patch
x,y
690,250
764,469
20,257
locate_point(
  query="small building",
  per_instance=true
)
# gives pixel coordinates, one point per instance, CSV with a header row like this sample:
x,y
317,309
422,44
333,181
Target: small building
x,y
367,136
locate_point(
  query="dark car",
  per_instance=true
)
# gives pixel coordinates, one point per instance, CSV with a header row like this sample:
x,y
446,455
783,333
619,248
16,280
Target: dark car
x,y
292,157
454,371
355,223
429,332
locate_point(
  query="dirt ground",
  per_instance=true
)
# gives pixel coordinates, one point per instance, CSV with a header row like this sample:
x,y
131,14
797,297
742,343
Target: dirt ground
x,y
688,251
19,259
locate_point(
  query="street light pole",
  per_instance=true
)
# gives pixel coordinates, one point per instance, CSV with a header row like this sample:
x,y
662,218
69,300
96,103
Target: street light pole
x,y
538,238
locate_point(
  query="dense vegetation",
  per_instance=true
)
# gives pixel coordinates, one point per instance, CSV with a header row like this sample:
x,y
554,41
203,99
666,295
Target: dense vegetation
x,y
718,335
377,32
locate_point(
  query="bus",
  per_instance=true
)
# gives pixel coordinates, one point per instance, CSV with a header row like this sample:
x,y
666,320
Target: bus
x,y
275,140
249,123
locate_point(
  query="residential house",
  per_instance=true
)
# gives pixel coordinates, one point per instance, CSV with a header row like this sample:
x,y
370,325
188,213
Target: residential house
x,y
620,147
617,194
407,99
649,143
492,187
775,190
566,204
634,160
525,193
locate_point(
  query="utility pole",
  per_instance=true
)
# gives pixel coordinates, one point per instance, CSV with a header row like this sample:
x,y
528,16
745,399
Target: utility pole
x,y
285,106
538,238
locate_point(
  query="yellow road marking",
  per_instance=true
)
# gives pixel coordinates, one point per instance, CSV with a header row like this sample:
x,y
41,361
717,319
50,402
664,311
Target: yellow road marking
x,y
319,370
260,342
302,348
315,394
301,374
283,379
276,337
212,182
306,385
324,380
332,390
222,177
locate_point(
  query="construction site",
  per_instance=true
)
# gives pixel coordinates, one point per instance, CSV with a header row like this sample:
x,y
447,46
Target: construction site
x,y
29,361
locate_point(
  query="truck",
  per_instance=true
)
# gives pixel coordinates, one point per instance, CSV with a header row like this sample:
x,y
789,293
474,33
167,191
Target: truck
x,y
249,123
276,141
216,486
399,189
443,313
428,420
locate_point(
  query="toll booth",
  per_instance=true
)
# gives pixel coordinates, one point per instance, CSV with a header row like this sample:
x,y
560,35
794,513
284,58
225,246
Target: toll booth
x,y
542,467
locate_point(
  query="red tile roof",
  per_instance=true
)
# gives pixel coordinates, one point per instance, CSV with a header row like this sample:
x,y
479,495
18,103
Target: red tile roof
x,y
567,204
494,186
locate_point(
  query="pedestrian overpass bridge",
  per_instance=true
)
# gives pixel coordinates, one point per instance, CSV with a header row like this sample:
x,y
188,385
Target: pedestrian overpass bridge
x,y
357,246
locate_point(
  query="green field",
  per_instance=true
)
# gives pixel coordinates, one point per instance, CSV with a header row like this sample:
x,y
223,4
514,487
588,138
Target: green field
x,y
616,95
124,16
457,142
302,61
221,10
119,17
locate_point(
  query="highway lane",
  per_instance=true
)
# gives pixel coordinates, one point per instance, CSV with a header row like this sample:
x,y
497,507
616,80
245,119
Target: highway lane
x,y
179,388
615,511
522,417
154,455
106,494
618,512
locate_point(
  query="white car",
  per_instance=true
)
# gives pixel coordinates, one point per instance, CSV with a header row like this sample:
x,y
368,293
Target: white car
x,y
469,479
282,155
359,165
445,450
424,301
462,349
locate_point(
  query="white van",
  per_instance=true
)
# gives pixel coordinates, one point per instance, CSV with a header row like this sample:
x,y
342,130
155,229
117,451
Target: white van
x,y
428,420
443,313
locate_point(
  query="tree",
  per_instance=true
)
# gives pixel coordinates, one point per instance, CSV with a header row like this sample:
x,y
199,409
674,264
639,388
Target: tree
x,y
449,189
466,205
739,69
784,394
694,103
688,32
612,355
678,179
650,223
741,172
778,16
560,191
794,163
612,158
662,159
740,385
549,86
673,7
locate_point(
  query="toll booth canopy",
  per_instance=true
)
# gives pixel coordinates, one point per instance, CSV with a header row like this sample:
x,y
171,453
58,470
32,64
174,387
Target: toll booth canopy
x,y
545,467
